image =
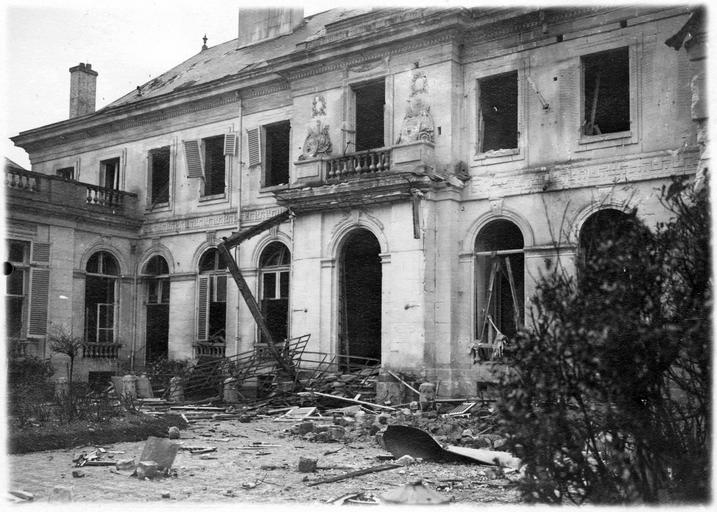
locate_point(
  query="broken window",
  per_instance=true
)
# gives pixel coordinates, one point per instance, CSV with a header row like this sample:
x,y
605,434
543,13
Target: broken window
x,y
274,281
498,112
214,166
370,100
16,287
110,173
101,297
212,298
276,153
606,83
499,285
604,226
66,173
159,176
157,299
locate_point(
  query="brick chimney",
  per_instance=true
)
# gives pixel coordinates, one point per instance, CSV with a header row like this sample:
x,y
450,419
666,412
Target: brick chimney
x,y
83,85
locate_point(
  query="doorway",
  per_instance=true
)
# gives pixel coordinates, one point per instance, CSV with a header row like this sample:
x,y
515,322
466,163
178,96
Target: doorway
x,y
157,329
360,296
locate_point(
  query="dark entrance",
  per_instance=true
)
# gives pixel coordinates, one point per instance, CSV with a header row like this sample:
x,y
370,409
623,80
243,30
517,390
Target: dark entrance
x,y
157,331
360,296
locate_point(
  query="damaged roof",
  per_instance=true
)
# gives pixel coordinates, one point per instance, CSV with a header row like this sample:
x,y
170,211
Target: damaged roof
x,y
226,59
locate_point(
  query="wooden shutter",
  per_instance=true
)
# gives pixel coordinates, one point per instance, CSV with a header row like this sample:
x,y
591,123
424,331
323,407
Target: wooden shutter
x,y
254,144
39,287
230,144
202,308
194,159
41,252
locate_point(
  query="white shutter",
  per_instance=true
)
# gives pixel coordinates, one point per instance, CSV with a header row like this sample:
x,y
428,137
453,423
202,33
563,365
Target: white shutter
x,y
230,144
202,308
254,144
194,159
39,287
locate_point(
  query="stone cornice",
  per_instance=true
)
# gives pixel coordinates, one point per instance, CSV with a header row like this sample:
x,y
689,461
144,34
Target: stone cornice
x,y
196,223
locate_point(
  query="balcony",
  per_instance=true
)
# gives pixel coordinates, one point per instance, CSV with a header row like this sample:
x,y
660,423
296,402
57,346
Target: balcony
x,y
363,177
208,349
54,195
100,350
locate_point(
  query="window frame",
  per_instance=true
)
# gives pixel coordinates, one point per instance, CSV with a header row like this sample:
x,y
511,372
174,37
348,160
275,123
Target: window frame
x,y
151,203
607,140
353,113
117,181
25,296
502,67
203,195
61,172
213,277
115,293
266,160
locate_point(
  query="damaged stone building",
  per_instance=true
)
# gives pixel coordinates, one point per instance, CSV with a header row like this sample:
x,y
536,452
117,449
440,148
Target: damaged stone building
x,y
435,161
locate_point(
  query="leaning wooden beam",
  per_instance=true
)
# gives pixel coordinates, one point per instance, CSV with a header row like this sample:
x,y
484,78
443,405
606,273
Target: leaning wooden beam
x,y
253,307
309,393
399,379
237,238
352,474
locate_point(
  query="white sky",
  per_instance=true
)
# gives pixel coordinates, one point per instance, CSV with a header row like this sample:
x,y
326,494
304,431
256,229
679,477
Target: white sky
x,y
128,42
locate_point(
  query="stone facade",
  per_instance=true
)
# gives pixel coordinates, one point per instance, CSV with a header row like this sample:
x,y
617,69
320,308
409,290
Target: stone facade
x,y
410,208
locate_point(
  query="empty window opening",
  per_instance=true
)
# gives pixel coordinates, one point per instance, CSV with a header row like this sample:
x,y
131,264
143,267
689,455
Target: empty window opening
x,y
499,284
157,299
214,166
101,298
276,151
110,173
606,79
498,103
159,175
212,298
274,281
360,296
370,103
16,287
66,173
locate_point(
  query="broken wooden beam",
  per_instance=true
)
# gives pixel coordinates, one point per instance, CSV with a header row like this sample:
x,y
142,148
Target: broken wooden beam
x,y
399,379
309,393
352,474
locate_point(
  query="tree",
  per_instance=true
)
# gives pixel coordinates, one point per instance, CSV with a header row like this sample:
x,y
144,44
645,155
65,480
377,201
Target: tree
x,y
62,342
608,397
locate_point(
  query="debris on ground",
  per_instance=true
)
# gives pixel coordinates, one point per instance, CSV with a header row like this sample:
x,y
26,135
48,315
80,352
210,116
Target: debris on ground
x,y
403,440
307,465
356,498
353,474
416,493
19,496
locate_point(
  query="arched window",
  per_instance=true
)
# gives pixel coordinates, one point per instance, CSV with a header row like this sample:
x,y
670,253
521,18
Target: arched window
x,y
212,297
156,272
101,298
499,281
274,290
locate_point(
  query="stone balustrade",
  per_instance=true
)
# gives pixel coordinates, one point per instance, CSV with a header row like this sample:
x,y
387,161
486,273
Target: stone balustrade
x,y
203,349
362,163
101,350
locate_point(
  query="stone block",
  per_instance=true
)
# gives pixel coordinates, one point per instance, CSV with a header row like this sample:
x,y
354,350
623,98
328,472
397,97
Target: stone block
x,y
307,465
147,469
160,451
61,494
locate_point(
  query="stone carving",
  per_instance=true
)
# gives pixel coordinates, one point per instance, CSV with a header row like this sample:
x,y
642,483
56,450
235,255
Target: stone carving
x,y
418,122
318,141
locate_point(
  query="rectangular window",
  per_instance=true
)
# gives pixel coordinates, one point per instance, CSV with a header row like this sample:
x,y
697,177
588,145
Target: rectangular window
x,y
214,166
110,173
606,92
277,153
159,175
370,102
498,112
66,173
16,286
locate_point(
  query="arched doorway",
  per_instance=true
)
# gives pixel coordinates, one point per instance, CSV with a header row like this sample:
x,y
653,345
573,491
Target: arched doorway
x,y
602,226
360,296
157,310
499,280
274,269
101,297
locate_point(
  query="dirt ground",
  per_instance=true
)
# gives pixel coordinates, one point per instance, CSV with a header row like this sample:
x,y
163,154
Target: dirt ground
x,y
238,472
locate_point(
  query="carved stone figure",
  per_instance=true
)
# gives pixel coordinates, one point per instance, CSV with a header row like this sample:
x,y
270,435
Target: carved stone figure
x,y
318,140
418,122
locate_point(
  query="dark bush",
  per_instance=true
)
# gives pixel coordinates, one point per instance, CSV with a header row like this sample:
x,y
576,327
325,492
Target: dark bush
x,y
608,400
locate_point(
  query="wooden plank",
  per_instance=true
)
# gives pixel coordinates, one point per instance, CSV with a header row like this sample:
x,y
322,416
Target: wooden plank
x,y
352,474
309,393
403,382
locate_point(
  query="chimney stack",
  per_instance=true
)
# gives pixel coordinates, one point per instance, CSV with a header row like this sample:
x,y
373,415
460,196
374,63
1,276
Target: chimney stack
x,y
83,85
